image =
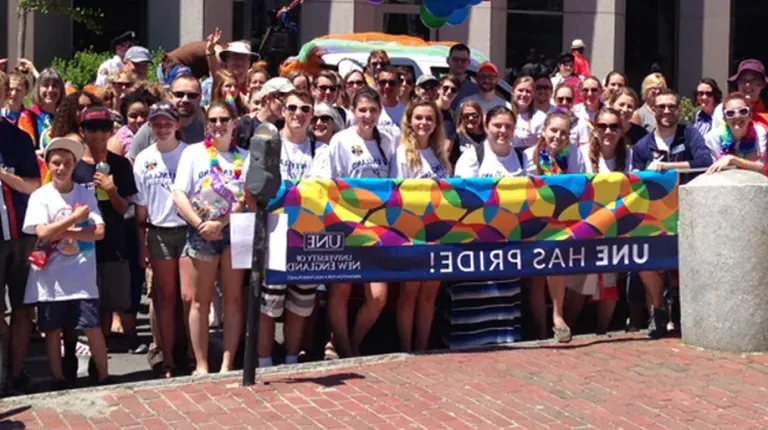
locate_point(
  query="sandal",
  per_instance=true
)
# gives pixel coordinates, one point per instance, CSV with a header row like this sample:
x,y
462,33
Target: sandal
x,y
330,352
168,372
563,334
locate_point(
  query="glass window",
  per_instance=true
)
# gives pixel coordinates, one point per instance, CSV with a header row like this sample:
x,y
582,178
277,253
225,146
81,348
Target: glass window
x,y
747,20
536,5
651,40
533,36
408,24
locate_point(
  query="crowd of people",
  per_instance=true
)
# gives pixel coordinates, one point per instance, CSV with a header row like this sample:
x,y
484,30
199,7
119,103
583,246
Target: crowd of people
x,y
124,175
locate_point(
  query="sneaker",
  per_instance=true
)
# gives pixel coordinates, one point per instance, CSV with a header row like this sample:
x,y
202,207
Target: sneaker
x,y
133,345
657,325
17,385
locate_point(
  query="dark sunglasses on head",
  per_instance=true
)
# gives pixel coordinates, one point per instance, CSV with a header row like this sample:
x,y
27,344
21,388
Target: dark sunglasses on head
x,y
379,63
563,99
408,82
732,113
303,108
219,120
327,88
322,118
387,82
181,94
428,87
449,89
705,93
614,126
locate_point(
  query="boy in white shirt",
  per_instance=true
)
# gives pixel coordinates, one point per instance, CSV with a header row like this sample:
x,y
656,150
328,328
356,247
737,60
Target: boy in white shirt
x,y
62,278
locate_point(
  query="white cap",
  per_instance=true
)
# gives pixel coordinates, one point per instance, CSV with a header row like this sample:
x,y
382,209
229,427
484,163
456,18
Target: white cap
x,y
138,54
76,148
276,85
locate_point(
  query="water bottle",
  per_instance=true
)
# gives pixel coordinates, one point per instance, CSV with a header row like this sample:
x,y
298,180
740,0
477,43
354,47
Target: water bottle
x,y
102,167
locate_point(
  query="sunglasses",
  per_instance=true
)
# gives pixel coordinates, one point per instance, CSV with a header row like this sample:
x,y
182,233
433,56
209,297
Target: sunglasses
x,y
408,82
602,126
733,113
122,84
189,95
470,116
219,120
705,93
544,87
449,89
387,82
322,118
355,83
428,87
589,90
664,107
303,108
379,63
564,99
327,88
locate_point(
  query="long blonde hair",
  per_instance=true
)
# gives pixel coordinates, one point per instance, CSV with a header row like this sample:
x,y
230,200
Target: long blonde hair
x,y
542,141
621,146
436,139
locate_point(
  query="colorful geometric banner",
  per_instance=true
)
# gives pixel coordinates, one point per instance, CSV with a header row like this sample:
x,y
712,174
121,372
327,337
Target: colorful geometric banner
x,y
482,228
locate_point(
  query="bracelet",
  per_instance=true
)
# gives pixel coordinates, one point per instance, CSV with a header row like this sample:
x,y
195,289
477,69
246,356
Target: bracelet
x,y
197,227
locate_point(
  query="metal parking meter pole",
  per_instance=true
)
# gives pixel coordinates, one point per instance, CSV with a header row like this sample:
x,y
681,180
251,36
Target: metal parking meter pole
x,y
262,182
254,297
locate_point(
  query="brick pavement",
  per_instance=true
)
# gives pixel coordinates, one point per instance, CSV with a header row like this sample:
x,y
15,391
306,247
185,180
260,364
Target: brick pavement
x,y
621,382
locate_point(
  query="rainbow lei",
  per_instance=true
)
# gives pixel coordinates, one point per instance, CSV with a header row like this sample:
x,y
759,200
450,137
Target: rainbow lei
x,y
559,166
728,146
213,155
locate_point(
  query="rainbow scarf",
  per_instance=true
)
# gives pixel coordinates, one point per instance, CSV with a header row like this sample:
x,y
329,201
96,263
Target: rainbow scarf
x,y
230,99
213,156
560,164
728,146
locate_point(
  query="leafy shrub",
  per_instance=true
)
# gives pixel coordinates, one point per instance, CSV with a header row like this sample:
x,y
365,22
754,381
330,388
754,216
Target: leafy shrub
x,y
687,109
81,69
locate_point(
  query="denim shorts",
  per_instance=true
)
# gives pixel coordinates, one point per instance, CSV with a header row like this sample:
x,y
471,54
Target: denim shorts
x,y
201,249
77,314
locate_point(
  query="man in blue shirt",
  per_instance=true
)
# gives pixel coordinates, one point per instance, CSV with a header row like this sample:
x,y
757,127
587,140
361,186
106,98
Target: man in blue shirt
x,y
19,176
671,146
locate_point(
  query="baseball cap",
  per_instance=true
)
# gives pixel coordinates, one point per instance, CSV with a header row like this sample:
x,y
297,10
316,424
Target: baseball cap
x,y
98,116
276,85
488,67
76,148
423,79
577,44
749,65
138,54
565,57
163,108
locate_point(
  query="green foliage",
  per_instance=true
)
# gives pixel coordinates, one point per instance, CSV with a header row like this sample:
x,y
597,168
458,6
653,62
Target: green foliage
x,y
81,69
687,109
87,16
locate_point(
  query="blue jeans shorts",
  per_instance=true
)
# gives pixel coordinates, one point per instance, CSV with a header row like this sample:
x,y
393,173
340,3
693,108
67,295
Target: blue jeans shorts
x,y
201,249
77,314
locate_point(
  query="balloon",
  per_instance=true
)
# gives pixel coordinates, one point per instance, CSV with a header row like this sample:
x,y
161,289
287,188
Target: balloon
x,y
377,1
458,16
439,8
430,20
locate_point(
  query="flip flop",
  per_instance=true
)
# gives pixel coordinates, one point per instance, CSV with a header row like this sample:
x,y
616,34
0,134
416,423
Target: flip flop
x,y
330,352
563,334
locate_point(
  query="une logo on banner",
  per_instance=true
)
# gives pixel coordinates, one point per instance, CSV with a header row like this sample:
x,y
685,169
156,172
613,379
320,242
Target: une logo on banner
x,y
324,242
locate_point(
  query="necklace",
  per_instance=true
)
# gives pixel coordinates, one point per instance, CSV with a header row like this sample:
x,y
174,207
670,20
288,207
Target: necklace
x,y
213,156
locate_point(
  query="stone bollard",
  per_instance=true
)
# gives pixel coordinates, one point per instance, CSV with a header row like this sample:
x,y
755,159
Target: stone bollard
x,y
723,247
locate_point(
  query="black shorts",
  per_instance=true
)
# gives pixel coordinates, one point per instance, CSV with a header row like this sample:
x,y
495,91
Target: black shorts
x,y
14,267
79,314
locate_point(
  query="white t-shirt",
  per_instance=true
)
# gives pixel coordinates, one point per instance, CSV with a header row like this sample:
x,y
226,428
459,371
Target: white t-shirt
x,y
70,272
663,144
155,172
527,132
493,165
581,132
349,155
604,165
193,175
430,166
487,105
296,159
575,160
392,115
714,140
581,112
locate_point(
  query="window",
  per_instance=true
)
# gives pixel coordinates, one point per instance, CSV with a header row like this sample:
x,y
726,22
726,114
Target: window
x,y
405,23
651,40
747,20
534,31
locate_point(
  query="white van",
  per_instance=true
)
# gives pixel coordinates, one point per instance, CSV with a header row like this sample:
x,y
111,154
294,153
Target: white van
x,y
431,60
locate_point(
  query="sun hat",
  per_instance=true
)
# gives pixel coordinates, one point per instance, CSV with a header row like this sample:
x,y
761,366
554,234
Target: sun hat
x,y
752,65
238,47
577,44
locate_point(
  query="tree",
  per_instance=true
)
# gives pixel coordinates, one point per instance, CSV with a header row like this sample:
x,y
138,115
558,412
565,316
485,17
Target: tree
x,y
87,16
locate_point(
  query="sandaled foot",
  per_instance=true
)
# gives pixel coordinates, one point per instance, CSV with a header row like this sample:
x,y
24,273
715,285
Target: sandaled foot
x,y
563,334
330,352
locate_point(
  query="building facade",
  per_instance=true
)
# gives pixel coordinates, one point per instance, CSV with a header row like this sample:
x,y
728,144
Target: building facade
x,y
686,39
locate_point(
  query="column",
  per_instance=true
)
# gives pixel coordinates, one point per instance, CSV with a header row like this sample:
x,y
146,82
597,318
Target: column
x,y
322,17
173,23
704,47
600,24
487,30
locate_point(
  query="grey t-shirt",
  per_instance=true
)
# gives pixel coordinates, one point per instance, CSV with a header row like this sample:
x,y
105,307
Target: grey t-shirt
x,y
468,88
191,133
